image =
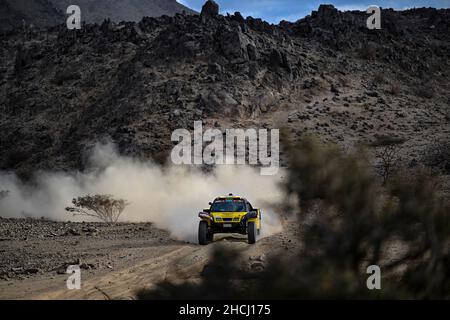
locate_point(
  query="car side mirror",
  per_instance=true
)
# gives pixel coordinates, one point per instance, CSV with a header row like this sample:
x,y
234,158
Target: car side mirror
x,y
252,214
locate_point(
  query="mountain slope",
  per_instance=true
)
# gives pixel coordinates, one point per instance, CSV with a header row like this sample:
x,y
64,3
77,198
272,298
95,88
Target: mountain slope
x,y
14,13
120,10
134,83
43,13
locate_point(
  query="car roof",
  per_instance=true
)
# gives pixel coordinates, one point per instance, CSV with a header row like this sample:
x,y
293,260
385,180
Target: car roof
x,y
230,198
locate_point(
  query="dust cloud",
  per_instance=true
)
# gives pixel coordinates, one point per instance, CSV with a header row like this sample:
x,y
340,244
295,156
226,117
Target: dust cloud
x,y
170,197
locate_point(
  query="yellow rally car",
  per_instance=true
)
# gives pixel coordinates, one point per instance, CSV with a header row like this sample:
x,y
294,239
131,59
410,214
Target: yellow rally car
x,y
229,214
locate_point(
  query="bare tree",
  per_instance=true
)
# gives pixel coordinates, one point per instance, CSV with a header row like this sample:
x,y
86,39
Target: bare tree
x,y
387,153
103,207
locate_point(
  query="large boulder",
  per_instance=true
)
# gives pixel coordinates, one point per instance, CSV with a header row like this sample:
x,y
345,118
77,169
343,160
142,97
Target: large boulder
x,y
278,59
210,9
327,15
235,45
219,101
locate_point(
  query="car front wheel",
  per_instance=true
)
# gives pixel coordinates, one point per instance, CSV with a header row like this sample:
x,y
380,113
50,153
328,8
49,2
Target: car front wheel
x,y
251,232
203,233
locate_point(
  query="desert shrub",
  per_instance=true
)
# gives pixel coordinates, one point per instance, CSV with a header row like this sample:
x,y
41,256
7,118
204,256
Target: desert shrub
x,y
358,219
424,91
395,88
23,58
66,74
16,156
387,154
103,207
25,174
421,220
379,78
437,156
368,51
348,222
344,81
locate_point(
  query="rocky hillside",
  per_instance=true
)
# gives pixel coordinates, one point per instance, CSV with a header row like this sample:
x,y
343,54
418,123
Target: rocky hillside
x,y
15,14
43,13
61,91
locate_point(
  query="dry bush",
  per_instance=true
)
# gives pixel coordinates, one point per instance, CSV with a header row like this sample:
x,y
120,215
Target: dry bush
x,y
345,81
368,51
395,88
103,207
424,91
358,218
387,153
353,219
379,78
16,156
65,74
437,156
421,219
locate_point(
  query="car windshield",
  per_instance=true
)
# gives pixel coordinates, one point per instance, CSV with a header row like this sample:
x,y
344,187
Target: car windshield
x,y
228,206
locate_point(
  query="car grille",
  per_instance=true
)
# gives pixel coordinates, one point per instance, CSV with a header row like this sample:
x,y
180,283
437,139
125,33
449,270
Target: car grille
x,y
228,219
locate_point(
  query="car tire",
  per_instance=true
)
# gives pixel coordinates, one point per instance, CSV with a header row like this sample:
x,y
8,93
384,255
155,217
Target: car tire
x,y
251,232
203,233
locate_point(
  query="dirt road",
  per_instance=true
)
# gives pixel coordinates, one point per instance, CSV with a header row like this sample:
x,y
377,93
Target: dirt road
x,y
116,260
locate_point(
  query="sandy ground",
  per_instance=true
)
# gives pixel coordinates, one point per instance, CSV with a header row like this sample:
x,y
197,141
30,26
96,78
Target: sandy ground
x,y
116,260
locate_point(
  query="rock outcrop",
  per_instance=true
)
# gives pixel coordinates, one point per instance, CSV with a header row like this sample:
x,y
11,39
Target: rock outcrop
x,y
210,9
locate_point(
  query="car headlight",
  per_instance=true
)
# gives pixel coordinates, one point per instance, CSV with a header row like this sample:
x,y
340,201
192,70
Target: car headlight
x,y
218,218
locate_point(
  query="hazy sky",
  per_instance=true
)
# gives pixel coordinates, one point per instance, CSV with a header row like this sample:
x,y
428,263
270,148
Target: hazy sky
x,y
291,10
